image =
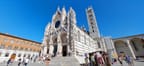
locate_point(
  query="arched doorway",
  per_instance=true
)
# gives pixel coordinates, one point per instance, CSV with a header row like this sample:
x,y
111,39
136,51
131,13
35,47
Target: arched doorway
x,y
138,46
55,46
64,44
47,46
64,50
122,47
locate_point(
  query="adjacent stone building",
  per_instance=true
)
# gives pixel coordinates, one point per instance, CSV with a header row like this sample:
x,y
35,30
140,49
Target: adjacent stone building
x,y
130,45
10,44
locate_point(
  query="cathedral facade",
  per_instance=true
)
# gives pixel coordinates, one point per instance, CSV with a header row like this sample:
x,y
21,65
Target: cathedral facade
x,y
63,37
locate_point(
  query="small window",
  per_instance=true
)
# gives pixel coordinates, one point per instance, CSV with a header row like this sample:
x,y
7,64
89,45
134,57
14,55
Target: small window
x,y
0,54
21,48
16,47
9,47
2,46
7,54
12,41
24,55
19,55
5,40
29,55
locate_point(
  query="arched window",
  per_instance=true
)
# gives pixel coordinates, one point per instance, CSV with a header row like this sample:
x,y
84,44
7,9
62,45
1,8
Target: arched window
x,y
7,54
2,46
24,55
9,47
133,43
19,55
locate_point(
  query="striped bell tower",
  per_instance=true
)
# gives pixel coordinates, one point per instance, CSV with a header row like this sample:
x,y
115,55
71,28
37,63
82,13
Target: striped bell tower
x,y
93,28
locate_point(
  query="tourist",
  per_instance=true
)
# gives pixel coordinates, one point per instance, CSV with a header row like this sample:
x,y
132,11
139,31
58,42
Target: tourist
x,y
106,59
87,60
47,61
132,61
129,60
19,61
92,59
120,60
11,59
100,59
26,61
96,61
114,60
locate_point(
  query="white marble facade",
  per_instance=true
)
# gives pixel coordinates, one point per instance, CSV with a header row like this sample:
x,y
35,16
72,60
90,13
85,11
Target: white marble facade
x,y
63,37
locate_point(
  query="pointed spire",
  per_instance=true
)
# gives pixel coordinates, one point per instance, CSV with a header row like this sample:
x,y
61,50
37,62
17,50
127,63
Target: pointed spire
x,y
58,11
63,13
72,15
58,8
64,10
71,10
90,7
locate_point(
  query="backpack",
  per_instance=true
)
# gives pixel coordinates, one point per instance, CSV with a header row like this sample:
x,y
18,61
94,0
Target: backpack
x,y
128,59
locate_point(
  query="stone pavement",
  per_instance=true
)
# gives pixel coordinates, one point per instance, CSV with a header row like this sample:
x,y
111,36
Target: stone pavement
x,y
125,64
30,64
41,64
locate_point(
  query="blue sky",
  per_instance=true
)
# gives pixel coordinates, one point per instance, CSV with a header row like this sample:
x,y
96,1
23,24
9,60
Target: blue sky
x,y
28,18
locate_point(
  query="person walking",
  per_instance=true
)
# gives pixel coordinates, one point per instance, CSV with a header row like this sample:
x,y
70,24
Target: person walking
x,y
47,61
100,59
11,59
96,61
26,61
129,60
19,61
120,60
93,59
87,60
106,59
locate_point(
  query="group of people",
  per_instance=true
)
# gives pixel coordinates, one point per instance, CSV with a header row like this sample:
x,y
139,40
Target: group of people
x,y
97,59
103,59
92,59
25,60
21,61
11,59
128,59
44,59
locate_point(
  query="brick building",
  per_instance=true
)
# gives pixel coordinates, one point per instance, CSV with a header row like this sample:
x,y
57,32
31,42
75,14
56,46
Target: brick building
x,y
10,44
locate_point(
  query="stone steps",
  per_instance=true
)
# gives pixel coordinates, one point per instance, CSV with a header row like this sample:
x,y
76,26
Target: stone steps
x,y
64,61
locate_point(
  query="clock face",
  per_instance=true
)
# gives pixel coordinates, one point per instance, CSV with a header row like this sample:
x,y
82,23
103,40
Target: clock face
x,y
57,24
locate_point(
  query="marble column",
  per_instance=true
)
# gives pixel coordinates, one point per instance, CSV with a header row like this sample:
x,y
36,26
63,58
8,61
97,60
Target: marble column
x,y
59,46
131,50
51,47
69,50
114,49
44,50
44,46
